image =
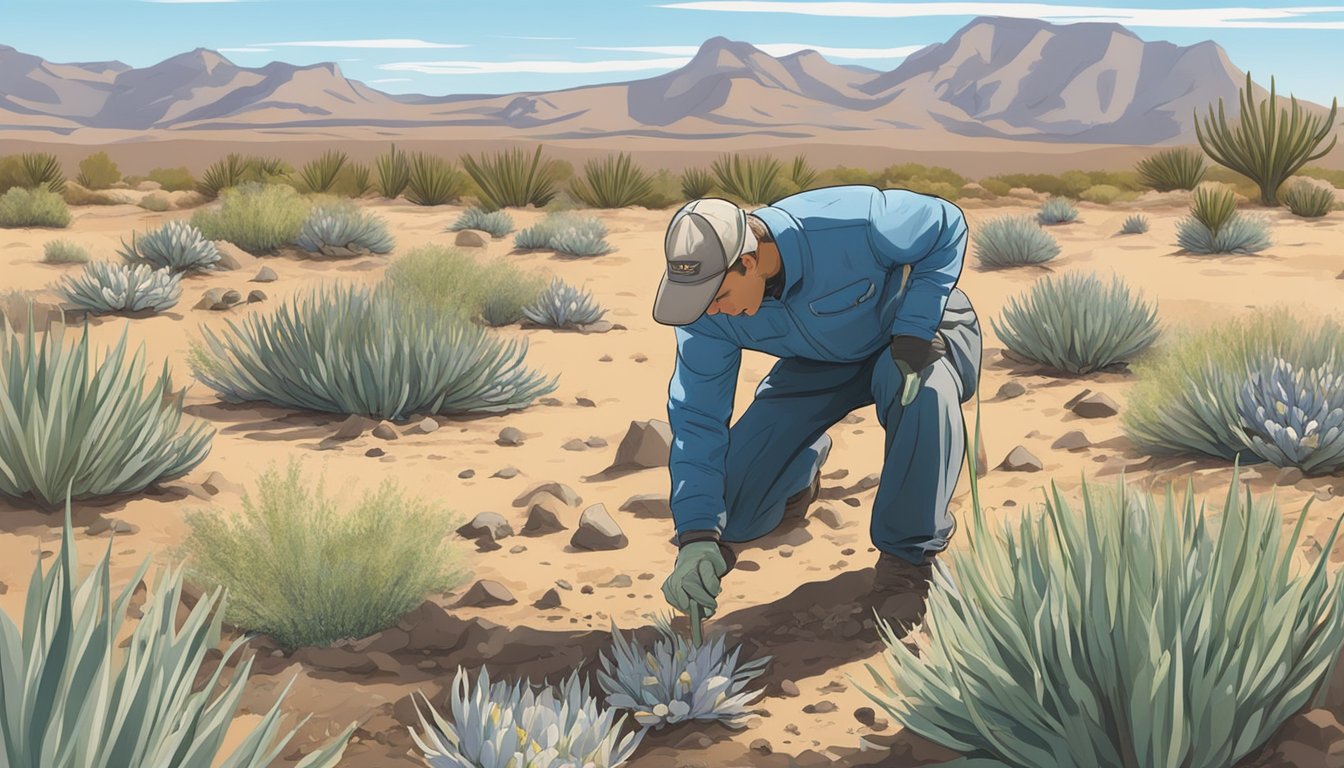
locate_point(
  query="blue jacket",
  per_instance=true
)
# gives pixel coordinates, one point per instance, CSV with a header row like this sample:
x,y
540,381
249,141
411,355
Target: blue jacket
x,y
845,251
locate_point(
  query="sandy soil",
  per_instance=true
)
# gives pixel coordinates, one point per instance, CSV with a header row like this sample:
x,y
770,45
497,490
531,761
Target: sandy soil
x,y
790,597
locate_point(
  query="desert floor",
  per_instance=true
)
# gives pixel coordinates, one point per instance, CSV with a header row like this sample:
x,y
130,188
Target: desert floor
x,y
792,590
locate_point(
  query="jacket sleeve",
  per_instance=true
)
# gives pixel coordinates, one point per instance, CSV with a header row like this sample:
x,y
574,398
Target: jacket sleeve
x,y
699,406
929,234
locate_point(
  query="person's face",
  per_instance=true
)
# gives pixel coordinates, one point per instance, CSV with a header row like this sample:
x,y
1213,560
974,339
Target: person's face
x,y
740,294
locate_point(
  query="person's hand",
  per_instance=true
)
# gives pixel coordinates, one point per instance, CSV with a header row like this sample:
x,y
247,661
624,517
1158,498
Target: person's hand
x,y
695,578
912,355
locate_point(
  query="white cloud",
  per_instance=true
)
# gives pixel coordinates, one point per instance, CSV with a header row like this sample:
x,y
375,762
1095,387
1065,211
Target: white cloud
x,y
243,50
528,37
392,80
388,43
1211,18
535,67
776,49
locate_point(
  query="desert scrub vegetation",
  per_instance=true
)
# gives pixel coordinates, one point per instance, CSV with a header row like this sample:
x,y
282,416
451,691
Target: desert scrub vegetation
x,y
502,726
1056,210
342,230
613,182
63,662
566,233
754,180
497,223
319,175
97,171
449,281
396,360
924,179
509,179
1012,241
21,207
105,433
1151,636
235,170
433,180
177,246
1204,392
563,306
1172,169
677,681
1069,184
1076,324
696,183
173,179
1135,224
259,218
1309,200
307,572
105,288
1268,144
1215,226
64,252
42,171
394,172
156,202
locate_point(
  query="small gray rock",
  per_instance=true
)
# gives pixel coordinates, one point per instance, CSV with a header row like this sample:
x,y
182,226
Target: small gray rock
x,y
648,505
549,401
230,256
469,238
585,402
594,441
486,593
215,484
639,357
821,707
788,688
598,531
110,525
586,589
354,426
761,745
868,482
467,474
828,517
1021,460
543,516
232,297
618,581
488,524
575,445
426,426
510,436
1095,406
517,549
865,715
265,275
254,296
210,299
385,431
507,473
559,490
1011,389
549,600
646,445
374,453
1071,441
604,359
561,583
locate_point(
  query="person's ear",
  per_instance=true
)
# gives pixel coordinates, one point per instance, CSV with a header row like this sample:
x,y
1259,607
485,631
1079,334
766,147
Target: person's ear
x,y
749,261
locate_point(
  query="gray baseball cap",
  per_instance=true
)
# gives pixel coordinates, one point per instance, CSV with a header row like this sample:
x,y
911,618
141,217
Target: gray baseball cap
x,y
704,239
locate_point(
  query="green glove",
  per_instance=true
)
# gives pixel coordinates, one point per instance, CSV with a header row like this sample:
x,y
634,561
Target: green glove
x,y
695,578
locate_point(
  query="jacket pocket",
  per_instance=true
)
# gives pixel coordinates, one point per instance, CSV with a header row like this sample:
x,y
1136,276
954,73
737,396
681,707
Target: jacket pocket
x,y
846,298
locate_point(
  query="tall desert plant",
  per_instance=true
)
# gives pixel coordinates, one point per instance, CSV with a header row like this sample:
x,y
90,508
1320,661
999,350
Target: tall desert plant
x,y
43,170
433,180
318,175
801,174
696,183
1268,144
754,180
1172,169
223,174
394,172
359,179
614,182
509,179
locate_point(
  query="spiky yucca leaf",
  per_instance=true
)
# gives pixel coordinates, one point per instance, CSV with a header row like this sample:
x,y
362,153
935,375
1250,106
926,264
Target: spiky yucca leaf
x,y
1294,417
1172,169
1056,210
1011,241
73,700
43,171
359,179
510,180
342,229
614,182
696,183
1134,225
223,174
754,180
1309,200
1241,234
318,175
562,305
177,245
802,175
105,288
502,726
1213,206
394,172
497,223
433,180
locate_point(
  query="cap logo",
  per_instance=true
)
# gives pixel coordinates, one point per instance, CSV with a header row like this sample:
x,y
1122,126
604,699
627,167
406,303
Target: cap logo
x,y
684,267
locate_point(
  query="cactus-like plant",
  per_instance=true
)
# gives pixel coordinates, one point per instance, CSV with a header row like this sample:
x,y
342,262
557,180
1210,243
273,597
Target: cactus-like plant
x,y
562,305
1076,324
510,179
1269,144
754,180
1241,234
1172,169
342,229
223,174
320,174
497,223
1213,206
177,245
696,183
433,180
1294,417
1134,225
1057,210
801,174
1309,200
614,182
498,726
107,288
678,682
394,172
1011,241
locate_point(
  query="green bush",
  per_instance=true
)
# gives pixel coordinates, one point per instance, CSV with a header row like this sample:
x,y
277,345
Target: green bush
x,y
394,173
497,223
319,175
1184,399
342,230
224,174
696,183
1241,234
155,202
103,433
259,218
1136,224
177,246
666,190
1075,324
1102,194
64,252
108,288
1068,184
754,180
173,179
1131,632
1335,178
433,181
510,180
42,170
307,573
1213,206
395,360
11,173
449,281
1056,210
1309,200
1173,169
1012,241
73,698
566,233
97,171
21,207
614,182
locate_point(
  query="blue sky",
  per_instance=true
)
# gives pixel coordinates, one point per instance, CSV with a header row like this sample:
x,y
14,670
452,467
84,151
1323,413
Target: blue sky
x,y
503,46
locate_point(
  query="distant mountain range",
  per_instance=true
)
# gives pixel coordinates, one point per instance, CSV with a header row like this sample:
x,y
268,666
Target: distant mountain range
x,y
996,77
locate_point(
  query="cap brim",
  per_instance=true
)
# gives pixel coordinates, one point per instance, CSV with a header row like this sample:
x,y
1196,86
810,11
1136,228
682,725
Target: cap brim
x,y
682,304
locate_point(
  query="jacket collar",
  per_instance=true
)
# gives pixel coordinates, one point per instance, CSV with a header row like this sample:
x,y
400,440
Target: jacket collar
x,y
793,248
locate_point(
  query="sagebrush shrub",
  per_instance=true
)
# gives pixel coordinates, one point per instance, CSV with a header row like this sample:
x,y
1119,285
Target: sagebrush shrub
x,y
21,207
450,281
307,571
344,230
259,218
177,245
562,306
64,252
1136,224
155,202
1011,241
1057,210
1309,200
97,171
106,288
497,223
173,179
1076,324
396,360
567,233
1294,417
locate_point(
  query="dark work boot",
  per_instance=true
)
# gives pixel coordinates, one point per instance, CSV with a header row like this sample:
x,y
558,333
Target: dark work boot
x,y
798,503
900,588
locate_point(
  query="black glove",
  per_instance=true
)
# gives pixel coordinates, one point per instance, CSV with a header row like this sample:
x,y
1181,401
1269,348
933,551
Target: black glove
x,y
912,355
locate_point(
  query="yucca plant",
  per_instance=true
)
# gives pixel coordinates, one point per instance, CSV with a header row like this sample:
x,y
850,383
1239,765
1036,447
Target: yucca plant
x,y
509,179
1011,241
1136,224
1172,169
267,170
696,183
394,173
43,171
21,207
497,223
1075,324
342,230
1269,144
395,360
1146,639
754,180
802,174
70,427
64,252
677,681
1309,200
177,245
72,699
1056,210
1294,416
1241,234
318,175
223,174
259,218
562,305
359,179
1213,206
614,182
108,288
498,726
433,180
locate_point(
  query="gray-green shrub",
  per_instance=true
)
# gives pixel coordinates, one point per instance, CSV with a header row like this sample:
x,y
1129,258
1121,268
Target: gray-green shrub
x,y
107,288
21,207
173,179
306,571
497,223
1309,200
613,182
104,433
1011,241
450,281
97,171
177,245
1056,210
343,229
1294,417
566,232
1075,324
562,306
1136,224
1241,234
396,360
64,252
155,202
259,218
